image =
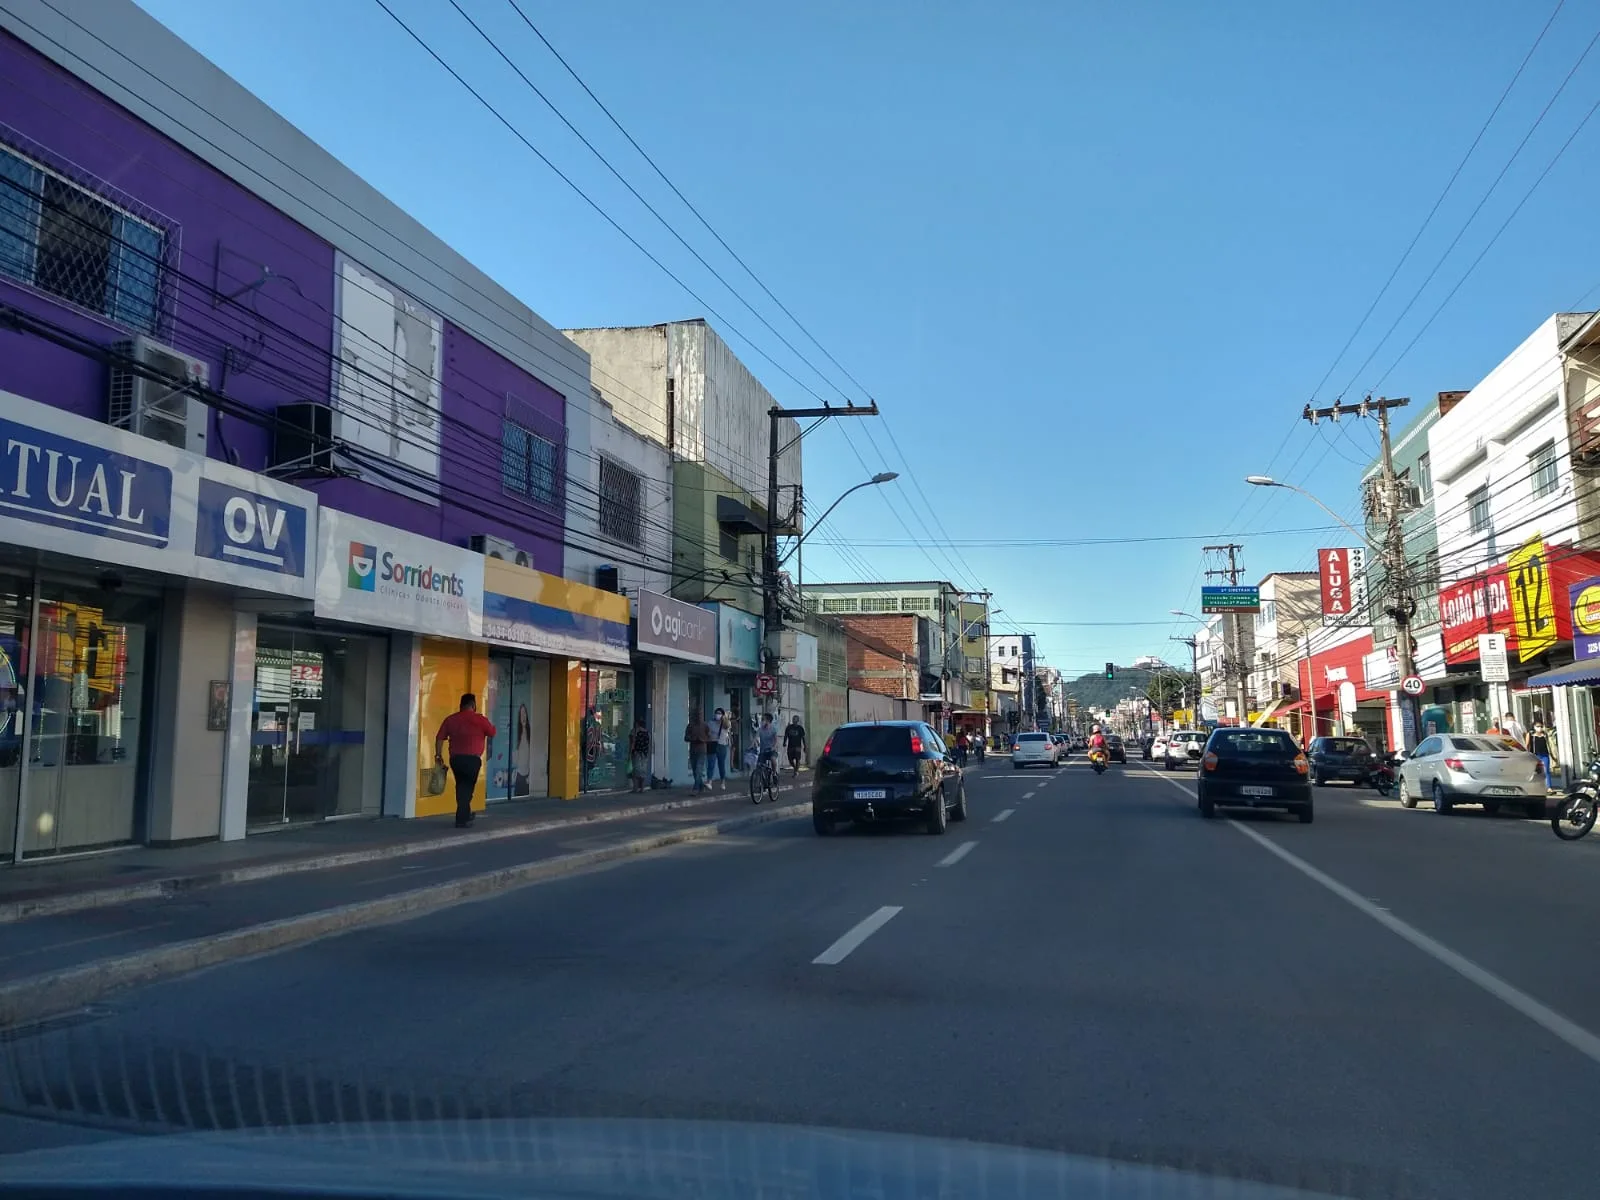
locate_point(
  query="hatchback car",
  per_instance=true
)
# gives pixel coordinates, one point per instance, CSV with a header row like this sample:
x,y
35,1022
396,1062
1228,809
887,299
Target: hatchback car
x,y
883,770
1035,750
1457,768
1184,748
1254,768
1115,749
1158,748
1347,758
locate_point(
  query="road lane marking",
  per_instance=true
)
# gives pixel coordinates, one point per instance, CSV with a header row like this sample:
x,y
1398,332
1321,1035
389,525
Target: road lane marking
x,y
1002,815
840,950
1513,997
1027,795
956,855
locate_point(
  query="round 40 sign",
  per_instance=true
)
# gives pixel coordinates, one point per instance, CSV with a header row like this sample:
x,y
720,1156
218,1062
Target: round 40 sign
x,y
1412,685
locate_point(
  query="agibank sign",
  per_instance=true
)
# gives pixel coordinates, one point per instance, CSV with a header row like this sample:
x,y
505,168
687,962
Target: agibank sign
x,y
675,630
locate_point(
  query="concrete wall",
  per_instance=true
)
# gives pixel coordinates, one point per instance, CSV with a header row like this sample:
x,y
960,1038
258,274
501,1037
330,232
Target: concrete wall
x,y
699,570
610,438
1485,440
186,761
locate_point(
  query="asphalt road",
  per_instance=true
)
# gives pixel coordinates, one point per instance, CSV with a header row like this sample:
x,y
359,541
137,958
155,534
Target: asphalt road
x,y
1382,1004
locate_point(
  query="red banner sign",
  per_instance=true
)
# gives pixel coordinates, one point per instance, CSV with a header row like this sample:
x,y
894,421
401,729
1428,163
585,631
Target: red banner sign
x,y
1478,604
1338,592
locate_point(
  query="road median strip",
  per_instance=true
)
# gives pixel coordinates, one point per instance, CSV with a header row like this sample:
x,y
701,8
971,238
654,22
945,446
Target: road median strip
x,y
172,885
34,999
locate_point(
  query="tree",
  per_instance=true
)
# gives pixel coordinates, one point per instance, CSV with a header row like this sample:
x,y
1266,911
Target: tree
x,y
1168,691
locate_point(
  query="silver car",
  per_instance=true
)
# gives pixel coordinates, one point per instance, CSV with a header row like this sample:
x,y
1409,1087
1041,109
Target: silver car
x,y
1472,768
1035,750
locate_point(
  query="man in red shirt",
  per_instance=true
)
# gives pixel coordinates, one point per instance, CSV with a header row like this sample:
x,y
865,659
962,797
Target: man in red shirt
x,y
469,733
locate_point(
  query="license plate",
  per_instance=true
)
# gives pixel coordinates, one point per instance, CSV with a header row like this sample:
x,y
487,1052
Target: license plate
x,y
1255,790
871,794
1502,791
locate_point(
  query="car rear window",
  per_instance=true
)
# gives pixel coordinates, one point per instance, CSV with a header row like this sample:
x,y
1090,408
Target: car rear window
x,y
1033,737
871,739
1344,745
1263,743
1483,744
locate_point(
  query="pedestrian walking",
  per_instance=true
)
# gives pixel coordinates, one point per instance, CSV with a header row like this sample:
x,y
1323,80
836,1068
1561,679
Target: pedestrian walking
x,y
1514,730
721,740
698,734
471,736
1541,742
794,742
639,751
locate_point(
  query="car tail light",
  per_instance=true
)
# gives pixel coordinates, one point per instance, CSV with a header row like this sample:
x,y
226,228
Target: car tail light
x,y
1301,765
1210,760
827,746
916,743
1455,764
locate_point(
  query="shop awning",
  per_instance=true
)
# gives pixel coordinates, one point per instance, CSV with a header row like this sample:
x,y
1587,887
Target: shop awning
x,y
1581,672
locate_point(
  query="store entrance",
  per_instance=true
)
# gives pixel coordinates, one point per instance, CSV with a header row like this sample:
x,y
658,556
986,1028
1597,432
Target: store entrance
x,y
308,752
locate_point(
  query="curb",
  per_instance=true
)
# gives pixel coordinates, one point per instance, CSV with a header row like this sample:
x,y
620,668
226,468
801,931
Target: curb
x,y
172,885
35,999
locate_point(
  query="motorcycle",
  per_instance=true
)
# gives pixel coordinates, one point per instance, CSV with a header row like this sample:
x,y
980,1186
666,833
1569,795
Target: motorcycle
x,y
1575,816
1383,775
1098,759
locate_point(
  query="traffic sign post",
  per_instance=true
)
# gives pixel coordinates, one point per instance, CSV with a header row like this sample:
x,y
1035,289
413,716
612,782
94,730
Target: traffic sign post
x,y
1234,599
1492,663
766,685
1412,685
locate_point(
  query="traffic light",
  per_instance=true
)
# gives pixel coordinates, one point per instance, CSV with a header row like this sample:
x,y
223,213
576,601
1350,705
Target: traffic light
x,y
1111,670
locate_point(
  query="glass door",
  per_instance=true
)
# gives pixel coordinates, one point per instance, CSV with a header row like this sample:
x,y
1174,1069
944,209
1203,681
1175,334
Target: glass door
x,y
308,727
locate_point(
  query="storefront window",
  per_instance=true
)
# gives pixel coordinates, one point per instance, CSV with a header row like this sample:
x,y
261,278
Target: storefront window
x,y
607,718
517,700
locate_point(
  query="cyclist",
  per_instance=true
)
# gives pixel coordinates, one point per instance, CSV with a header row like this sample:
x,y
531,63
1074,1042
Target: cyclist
x,y
767,744
794,742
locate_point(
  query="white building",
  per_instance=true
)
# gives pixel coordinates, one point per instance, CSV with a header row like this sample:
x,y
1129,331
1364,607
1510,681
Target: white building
x,y
1291,604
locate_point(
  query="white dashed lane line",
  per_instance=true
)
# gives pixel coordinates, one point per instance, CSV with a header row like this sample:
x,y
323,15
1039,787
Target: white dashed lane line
x,y
841,950
956,855
1027,795
1002,815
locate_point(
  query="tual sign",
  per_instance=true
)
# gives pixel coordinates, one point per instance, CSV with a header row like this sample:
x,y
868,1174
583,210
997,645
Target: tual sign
x,y
1342,572
1412,685
1584,598
1532,605
766,685
1239,599
1492,663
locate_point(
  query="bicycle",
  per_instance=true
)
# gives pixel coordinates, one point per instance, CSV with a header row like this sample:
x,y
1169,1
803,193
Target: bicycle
x,y
764,780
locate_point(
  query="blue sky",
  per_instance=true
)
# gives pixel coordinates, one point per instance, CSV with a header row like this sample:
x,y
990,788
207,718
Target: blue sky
x,y
1092,260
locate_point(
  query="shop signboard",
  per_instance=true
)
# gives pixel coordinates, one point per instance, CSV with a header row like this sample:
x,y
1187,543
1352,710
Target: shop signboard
x,y
551,615
1532,602
1342,571
91,490
374,574
1584,599
738,638
1479,604
675,629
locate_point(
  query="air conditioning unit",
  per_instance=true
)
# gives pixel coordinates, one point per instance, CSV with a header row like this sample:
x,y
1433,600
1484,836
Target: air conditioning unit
x,y
490,546
606,578
161,406
302,438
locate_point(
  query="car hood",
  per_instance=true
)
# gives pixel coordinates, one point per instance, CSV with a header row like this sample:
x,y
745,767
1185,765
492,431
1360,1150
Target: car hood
x,y
605,1158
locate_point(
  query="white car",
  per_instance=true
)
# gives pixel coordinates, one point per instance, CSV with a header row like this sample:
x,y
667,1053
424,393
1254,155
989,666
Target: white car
x,y
1035,750
1184,748
1158,748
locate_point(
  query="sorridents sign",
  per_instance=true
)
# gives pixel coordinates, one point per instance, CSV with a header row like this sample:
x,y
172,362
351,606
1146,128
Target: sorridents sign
x,y
79,487
1584,599
544,613
738,638
675,629
1341,570
373,574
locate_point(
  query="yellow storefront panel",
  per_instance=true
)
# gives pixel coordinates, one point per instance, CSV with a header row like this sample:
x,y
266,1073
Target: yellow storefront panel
x,y
448,669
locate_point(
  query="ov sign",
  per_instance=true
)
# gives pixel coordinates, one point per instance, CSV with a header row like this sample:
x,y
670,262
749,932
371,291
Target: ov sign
x,y
244,527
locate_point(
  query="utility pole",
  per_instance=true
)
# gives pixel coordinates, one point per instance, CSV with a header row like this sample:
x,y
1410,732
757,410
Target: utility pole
x,y
1235,669
1402,606
771,607
1194,664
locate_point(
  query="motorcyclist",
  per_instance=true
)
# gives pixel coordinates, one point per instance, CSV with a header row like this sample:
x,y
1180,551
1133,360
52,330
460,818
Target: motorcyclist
x,y
1097,741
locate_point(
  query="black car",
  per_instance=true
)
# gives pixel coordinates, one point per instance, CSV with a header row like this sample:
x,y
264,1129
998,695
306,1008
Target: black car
x,y
884,770
1254,768
1115,750
1348,758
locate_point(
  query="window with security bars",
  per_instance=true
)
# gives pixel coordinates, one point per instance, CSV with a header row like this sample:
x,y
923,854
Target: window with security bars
x,y
63,239
528,464
1478,509
839,604
1543,468
621,503
880,604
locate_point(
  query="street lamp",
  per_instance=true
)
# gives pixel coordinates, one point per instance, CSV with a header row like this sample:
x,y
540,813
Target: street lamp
x,y
880,477
1269,481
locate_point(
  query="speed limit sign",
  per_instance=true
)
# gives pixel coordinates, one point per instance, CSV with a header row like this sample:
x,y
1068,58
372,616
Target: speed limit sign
x,y
1412,685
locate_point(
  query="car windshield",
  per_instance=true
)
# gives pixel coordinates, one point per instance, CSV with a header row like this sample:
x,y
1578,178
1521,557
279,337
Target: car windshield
x,y
871,739
1265,743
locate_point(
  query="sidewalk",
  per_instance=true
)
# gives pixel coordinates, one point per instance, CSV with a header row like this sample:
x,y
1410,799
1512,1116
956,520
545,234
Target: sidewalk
x,y
50,887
